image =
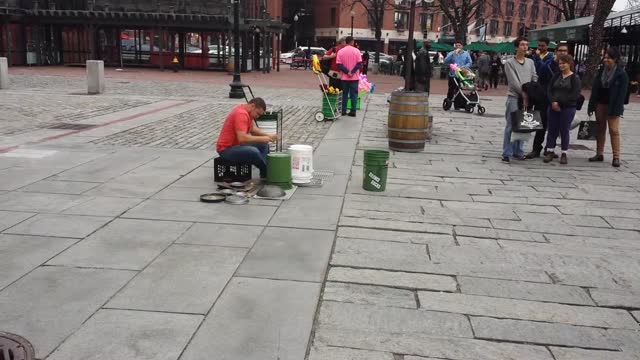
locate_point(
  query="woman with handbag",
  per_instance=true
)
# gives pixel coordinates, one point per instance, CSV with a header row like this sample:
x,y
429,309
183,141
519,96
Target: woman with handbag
x,y
607,102
564,91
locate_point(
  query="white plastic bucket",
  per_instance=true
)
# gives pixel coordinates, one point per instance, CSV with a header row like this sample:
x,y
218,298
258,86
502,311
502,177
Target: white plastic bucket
x,y
301,163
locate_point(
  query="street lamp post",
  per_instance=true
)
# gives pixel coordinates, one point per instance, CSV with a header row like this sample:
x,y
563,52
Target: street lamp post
x,y
295,27
236,91
353,14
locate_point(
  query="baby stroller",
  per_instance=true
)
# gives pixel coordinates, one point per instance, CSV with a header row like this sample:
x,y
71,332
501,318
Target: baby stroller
x,y
465,96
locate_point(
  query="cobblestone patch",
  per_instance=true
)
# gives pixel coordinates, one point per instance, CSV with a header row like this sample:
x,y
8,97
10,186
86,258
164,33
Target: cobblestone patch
x,y
20,113
199,129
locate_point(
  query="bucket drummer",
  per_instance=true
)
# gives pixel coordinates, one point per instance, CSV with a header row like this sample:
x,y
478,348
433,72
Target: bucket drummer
x,y
241,140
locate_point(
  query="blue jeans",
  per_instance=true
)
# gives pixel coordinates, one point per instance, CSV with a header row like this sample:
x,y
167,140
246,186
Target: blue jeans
x,y
559,122
254,153
349,90
511,148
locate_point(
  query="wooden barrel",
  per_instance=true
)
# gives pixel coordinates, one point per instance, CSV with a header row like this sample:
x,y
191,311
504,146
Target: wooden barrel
x,y
408,121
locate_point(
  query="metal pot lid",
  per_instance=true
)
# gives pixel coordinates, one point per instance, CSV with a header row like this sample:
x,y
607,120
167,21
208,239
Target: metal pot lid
x,y
237,184
236,200
213,197
271,191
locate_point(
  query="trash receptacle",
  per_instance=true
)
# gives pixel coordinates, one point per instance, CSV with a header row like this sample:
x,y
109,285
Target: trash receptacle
x,y
376,163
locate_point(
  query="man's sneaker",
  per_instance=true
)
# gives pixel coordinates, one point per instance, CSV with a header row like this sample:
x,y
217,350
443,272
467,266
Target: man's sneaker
x,y
596,158
563,159
549,157
505,159
352,114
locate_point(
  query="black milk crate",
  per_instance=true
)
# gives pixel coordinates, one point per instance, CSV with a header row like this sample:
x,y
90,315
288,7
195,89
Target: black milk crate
x,y
229,171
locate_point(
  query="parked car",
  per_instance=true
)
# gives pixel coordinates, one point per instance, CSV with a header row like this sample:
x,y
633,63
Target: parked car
x,y
287,56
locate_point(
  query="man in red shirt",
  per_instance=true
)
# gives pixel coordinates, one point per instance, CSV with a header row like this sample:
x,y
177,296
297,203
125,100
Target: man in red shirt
x,y
334,73
349,61
241,140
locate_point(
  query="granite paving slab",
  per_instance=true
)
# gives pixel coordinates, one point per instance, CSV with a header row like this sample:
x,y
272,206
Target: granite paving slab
x,y
241,236
68,226
110,247
309,212
52,302
11,218
256,319
120,334
184,279
289,254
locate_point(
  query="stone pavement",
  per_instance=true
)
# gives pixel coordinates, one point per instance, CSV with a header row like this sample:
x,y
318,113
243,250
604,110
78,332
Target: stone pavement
x,y
106,253
465,257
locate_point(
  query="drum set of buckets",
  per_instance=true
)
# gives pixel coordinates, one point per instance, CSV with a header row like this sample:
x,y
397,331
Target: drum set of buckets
x,y
294,167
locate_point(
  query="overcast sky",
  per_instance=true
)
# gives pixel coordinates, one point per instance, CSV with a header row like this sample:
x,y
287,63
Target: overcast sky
x,y
620,5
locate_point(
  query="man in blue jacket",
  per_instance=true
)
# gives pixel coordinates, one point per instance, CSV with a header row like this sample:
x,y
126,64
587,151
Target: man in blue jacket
x,y
546,67
460,58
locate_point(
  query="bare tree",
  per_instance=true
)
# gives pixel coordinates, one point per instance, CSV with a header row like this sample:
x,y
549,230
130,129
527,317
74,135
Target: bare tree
x,y
569,8
459,13
375,10
633,4
602,10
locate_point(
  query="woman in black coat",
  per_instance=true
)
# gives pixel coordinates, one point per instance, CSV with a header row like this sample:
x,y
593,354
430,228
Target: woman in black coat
x,y
608,94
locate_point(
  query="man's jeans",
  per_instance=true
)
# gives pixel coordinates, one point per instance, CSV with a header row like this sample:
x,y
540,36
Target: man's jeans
x,y
254,153
511,148
349,90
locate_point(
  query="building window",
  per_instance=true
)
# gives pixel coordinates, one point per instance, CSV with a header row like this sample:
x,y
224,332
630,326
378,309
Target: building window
x,y
533,26
523,10
545,14
496,7
401,20
522,30
510,7
534,13
426,22
507,28
333,16
493,28
558,16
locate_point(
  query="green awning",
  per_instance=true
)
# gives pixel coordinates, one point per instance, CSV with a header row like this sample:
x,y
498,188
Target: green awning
x,y
534,44
438,46
572,30
504,47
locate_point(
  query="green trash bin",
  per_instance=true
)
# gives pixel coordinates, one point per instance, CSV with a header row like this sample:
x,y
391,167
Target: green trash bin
x,y
376,163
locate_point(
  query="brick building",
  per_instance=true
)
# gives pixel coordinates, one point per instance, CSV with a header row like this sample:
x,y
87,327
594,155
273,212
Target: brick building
x,y
505,20
138,32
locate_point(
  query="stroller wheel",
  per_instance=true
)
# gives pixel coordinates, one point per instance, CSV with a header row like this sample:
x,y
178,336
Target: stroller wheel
x,y
446,104
481,110
469,108
319,116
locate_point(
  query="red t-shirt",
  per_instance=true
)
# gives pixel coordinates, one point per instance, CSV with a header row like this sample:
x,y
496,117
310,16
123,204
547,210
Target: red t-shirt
x,y
237,120
334,66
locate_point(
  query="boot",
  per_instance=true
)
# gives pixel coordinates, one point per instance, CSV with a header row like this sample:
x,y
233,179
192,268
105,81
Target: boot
x,y
549,157
616,162
563,159
597,158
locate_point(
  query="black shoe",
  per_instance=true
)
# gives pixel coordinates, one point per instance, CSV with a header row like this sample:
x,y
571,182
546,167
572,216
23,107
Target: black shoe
x,y
352,114
520,157
344,114
598,158
505,159
548,157
532,155
615,163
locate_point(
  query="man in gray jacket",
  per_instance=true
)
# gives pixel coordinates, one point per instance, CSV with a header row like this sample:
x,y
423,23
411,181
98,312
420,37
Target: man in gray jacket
x,y
519,71
484,68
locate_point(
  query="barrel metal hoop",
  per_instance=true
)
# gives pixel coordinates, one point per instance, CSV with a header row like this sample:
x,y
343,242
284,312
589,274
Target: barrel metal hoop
x,y
408,130
406,141
412,113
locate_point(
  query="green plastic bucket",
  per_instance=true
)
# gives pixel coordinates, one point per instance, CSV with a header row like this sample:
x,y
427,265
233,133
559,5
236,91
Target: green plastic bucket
x,y
279,170
330,104
357,104
374,176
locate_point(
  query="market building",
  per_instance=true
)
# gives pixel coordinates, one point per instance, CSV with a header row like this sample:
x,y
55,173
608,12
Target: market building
x,y
197,33
504,20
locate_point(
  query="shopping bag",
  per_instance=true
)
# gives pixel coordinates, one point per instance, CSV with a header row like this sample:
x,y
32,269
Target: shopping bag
x,y
523,121
587,130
